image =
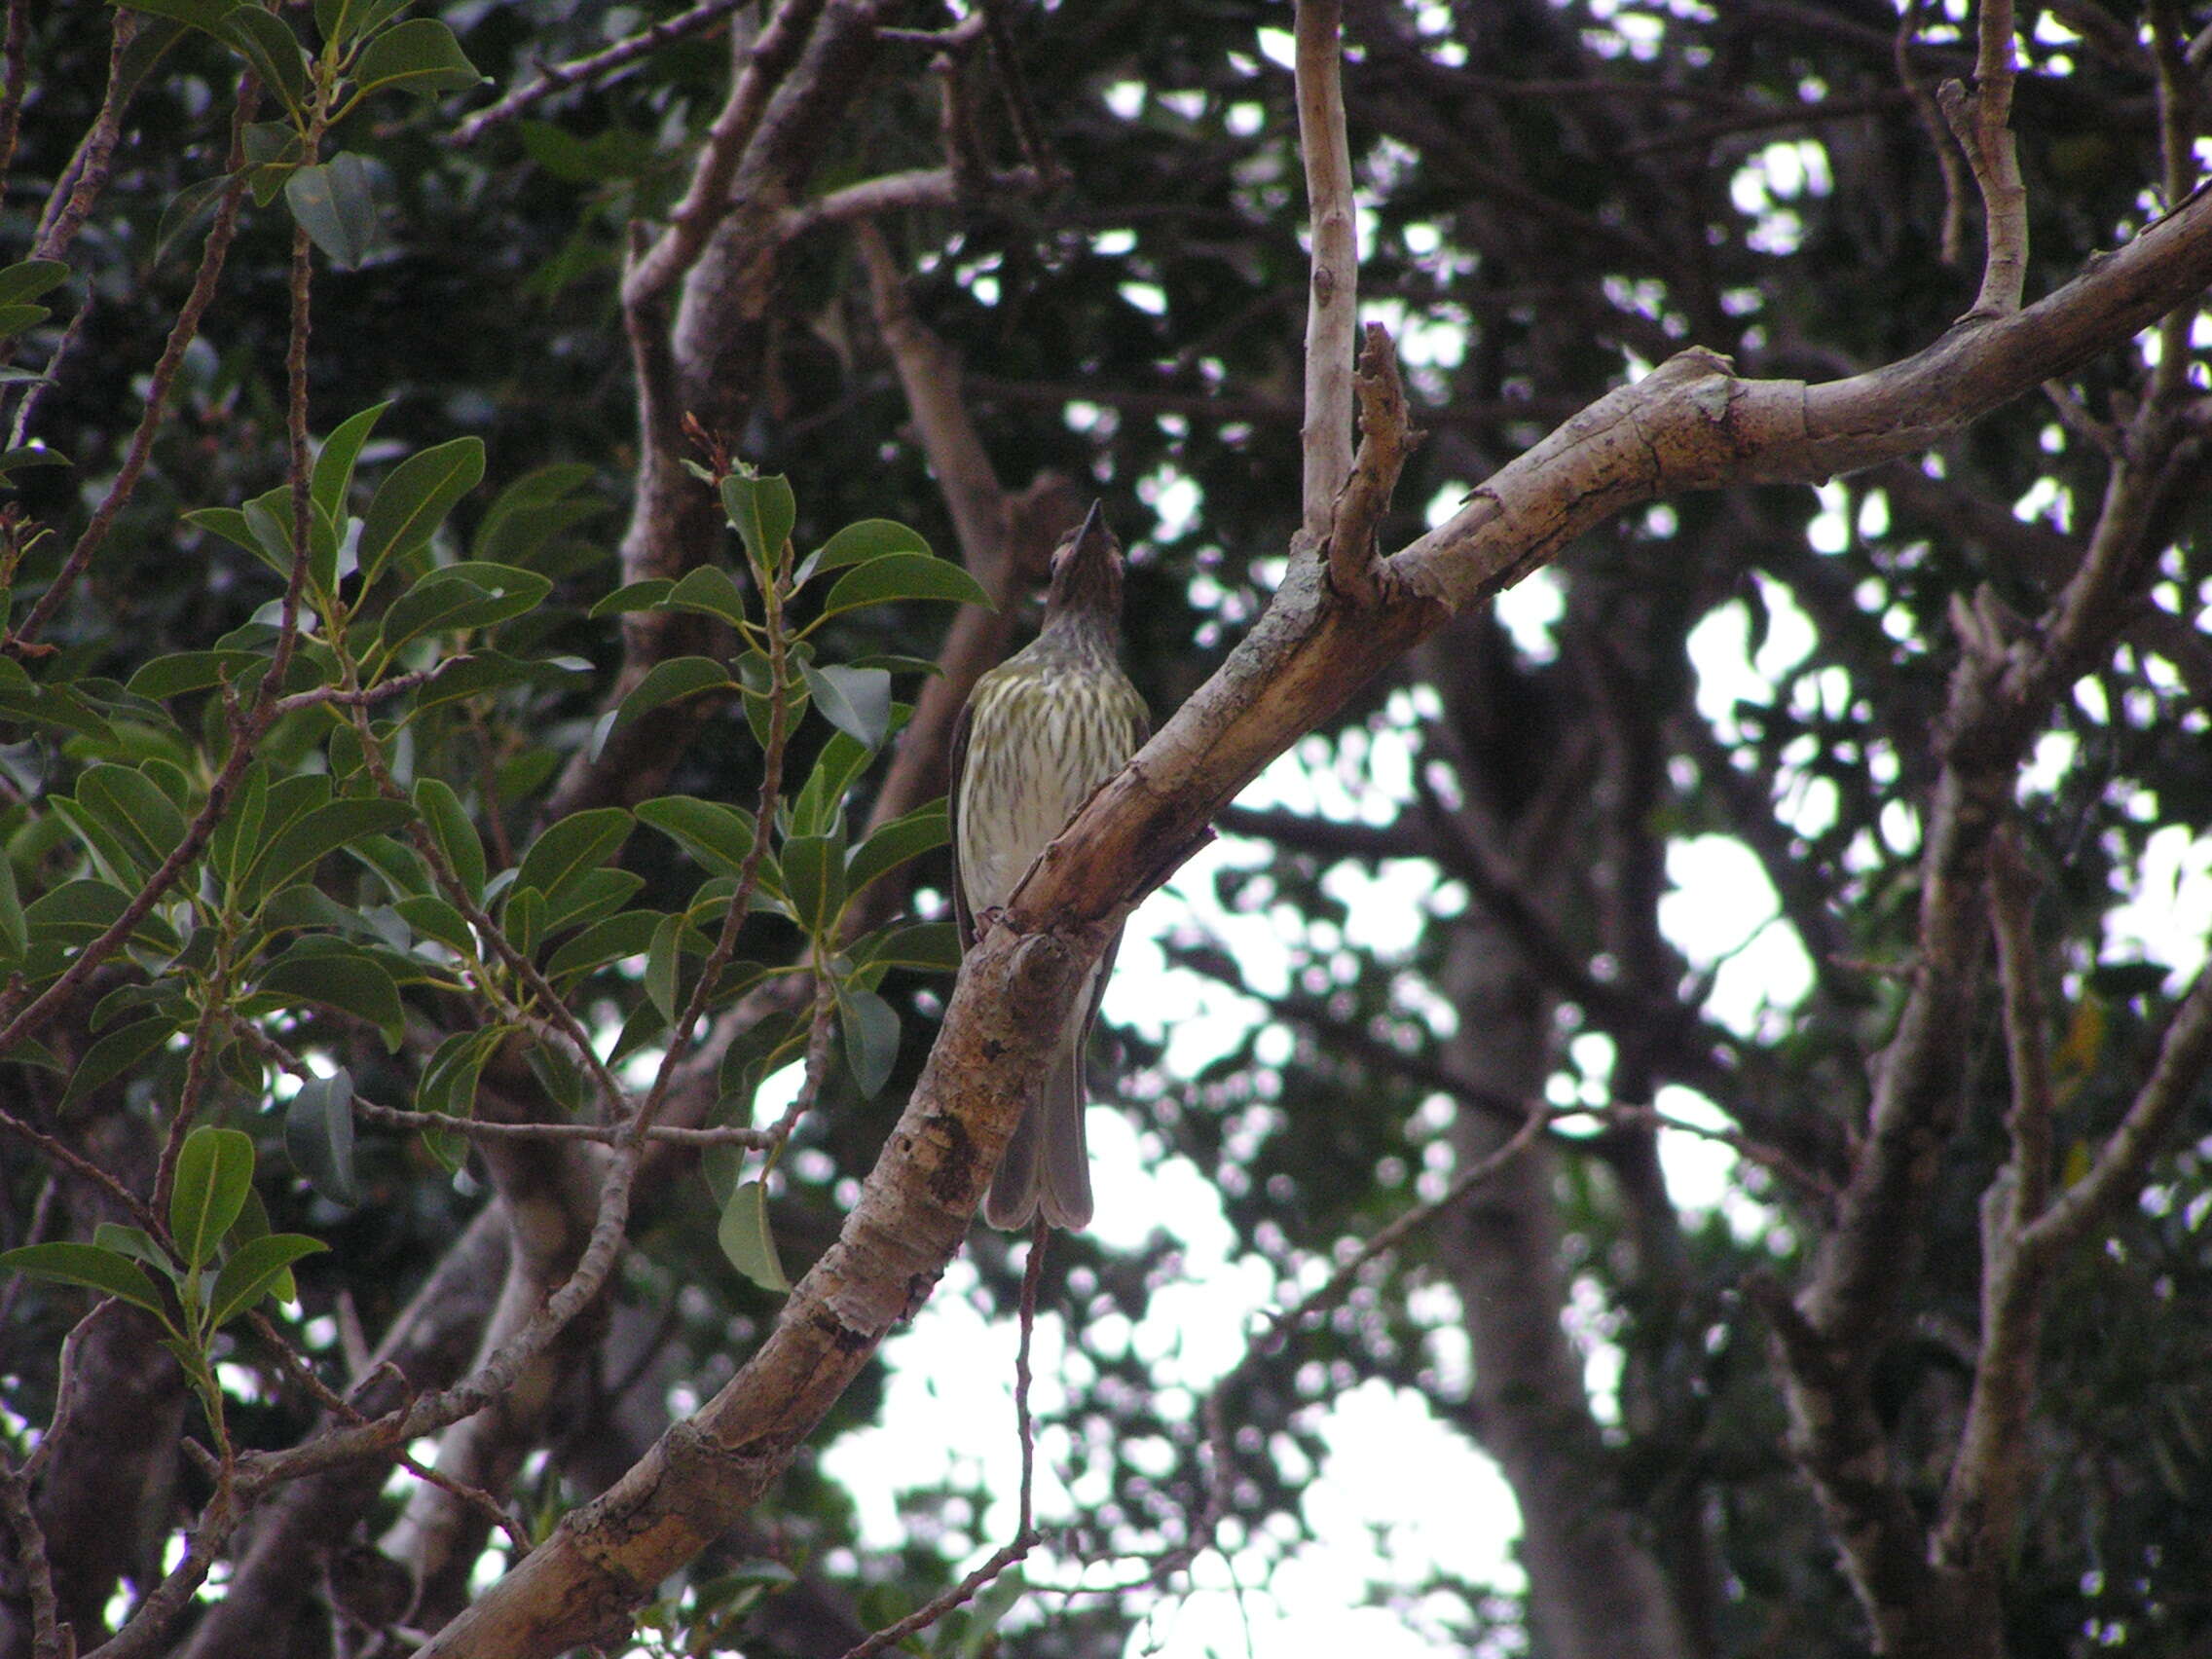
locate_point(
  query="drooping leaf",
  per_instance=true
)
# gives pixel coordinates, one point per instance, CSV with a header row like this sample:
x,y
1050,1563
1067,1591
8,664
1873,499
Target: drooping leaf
x,y
318,1135
854,700
747,1241
332,203
272,50
869,1027
134,803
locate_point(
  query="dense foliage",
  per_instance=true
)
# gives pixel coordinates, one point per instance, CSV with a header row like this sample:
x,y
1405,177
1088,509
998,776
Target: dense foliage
x,y
482,796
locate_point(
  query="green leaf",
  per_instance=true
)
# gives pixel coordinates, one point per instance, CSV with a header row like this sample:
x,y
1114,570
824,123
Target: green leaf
x,y
580,842
630,933
634,596
594,894
134,803
453,831
431,917
455,597
664,965
411,503
333,206
114,1054
854,700
929,947
340,977
254,1269
15,929
522,916
403,871
666,681
814,880
858,544
448,1084
29,279
184,672
921,830
420,57
532,510
870,1029
272,50
76,912
318,1135
762,511
214,1171
717,835
206,15
710,589
114,852
821,802
486,670
104,1271
899,577
745,1240
307,840
332,477
187,211
132,1241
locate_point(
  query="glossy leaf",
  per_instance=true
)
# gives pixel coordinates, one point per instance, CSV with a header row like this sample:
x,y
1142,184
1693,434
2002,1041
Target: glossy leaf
x,y
717,835
318,1135
902,577
634,596
814,880
745,1239
314,835
333,206
580,842
453,833
254,1270
762,512
103,1271
667,682
855,700
710,589
411,503
921,830
214,1171
272,50
134,803
420,55
869,1027
858,544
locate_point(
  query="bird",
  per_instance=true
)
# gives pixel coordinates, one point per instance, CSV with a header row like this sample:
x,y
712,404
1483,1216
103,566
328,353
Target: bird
x,y
1037,737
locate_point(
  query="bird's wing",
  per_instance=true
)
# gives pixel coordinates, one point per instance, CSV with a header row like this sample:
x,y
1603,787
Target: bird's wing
x,y
958,766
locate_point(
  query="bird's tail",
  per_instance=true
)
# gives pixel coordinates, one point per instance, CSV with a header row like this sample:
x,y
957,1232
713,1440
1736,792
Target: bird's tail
x,y
1046,1162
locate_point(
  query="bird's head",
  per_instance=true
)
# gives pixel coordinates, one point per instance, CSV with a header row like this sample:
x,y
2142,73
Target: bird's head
x,y
1087,571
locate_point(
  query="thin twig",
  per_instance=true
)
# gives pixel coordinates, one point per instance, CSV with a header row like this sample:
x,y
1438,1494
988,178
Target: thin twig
x,y
49,1638
1981,122
558,77
1025,1535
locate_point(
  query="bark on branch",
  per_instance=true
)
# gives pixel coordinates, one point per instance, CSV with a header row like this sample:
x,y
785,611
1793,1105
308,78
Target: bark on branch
x,y
1691,423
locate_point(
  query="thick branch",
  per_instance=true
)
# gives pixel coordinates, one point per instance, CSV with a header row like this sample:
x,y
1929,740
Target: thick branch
x,y
1691,423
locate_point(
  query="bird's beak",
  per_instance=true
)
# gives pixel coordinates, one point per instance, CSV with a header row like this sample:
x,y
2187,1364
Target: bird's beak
x,y
1094,531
